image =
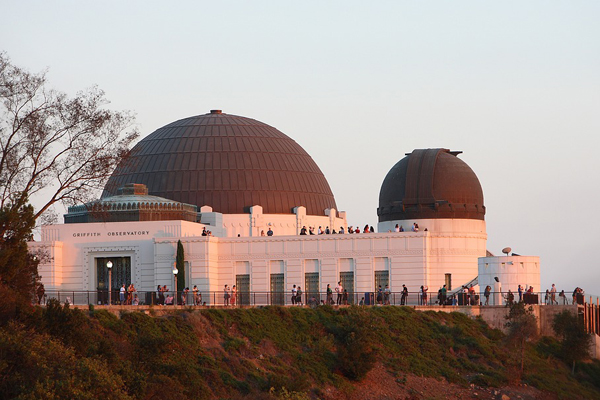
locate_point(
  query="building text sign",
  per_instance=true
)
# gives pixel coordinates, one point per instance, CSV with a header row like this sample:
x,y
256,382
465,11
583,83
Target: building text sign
x,y
111,234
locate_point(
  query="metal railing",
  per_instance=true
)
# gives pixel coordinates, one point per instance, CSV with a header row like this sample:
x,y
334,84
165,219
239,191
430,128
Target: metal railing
x,y
218,298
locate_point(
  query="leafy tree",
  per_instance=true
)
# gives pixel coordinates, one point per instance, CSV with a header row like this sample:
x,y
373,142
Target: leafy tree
x,y
67,147
574,340
522,327
179,262
18,267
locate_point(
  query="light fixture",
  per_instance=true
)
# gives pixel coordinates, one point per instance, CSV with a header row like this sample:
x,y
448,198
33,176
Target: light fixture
x,y
109,265
175,271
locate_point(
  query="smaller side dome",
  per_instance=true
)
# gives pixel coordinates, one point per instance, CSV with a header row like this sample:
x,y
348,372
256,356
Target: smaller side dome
x,y
132,203
428,184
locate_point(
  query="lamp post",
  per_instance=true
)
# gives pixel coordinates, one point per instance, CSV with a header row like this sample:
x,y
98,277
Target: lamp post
x,y
175,271
109,266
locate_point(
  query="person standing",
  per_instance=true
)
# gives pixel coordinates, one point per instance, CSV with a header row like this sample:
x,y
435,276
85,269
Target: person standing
x,y
486,294
553,294
184,295
424,290
339,290
510,297
404,295
345,297
472,300
233,295
299,296
161,295
329,295
226,295
564,298
520,293
294,295
130,291
195,294
386,295
443,295
122,292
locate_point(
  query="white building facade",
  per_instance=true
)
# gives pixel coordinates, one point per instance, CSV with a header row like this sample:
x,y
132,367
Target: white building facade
x,y
262,265
239,179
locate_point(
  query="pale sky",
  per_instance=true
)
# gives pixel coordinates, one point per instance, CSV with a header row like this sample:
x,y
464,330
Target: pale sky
x,y
515,85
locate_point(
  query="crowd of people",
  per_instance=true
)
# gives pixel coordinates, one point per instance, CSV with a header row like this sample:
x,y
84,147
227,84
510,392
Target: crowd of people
x,y
128,296
230,296
311,230
165,298
383,294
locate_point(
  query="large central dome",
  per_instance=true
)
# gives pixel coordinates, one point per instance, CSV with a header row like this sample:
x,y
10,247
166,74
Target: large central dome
x,y
227,162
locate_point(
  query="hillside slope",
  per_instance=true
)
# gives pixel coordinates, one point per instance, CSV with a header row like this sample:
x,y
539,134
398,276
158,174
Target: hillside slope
x,y
351,353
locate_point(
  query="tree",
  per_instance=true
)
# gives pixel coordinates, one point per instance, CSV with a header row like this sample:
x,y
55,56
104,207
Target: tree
x,y
18,268
180,264
66,146
522,327
574,340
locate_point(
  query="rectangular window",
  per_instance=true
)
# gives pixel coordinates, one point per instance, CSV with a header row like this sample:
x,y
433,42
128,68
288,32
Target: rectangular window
x,y
382,278
277,289
242,284
311,286
347,279
448,281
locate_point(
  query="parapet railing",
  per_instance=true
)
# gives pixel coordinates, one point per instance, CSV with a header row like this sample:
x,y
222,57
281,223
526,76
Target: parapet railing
x,y
241,298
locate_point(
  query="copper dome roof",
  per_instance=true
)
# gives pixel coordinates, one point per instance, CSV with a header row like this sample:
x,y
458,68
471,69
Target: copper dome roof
x,y
227,162
430,183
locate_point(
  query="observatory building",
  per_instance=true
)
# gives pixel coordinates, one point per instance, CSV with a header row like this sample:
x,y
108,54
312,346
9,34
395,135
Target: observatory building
x,y
241,179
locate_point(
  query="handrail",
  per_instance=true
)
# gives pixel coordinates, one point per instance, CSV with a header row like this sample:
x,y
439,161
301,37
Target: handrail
x,y
218,298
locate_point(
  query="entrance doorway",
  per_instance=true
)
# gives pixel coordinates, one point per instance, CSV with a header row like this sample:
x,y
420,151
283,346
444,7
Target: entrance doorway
x,y
121,275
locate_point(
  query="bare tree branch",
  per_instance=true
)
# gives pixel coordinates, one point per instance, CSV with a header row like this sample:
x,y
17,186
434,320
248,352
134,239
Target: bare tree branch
x,y
48,141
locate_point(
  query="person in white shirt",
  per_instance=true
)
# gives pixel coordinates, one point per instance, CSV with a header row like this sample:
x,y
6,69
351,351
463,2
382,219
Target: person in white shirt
x,y
122,294
294,294
339,290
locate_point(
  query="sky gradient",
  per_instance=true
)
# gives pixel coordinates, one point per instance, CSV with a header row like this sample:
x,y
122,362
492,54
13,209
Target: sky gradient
x,y
514,85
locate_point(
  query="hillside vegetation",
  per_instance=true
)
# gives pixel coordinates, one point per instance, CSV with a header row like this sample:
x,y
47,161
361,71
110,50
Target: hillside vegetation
x,y
271,352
